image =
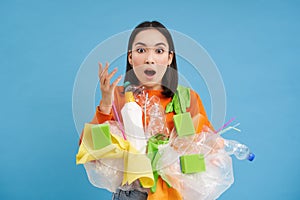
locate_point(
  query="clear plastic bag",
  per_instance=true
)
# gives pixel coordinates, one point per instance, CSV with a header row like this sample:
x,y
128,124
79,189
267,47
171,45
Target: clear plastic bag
x,y
103,174
206,185
106,173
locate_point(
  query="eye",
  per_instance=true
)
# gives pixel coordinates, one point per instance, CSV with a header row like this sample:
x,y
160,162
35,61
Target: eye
x,y
140,50
159,50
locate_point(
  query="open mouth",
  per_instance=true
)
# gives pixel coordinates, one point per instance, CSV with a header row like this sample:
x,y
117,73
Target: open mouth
x,y
149,72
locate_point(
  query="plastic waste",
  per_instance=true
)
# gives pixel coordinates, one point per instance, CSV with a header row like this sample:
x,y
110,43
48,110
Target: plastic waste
x,y
241,151
157,121
103,174
132,118
138,91
207,185
106,173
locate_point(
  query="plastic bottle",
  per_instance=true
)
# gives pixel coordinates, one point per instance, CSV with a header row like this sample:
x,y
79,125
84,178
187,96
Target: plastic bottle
x,y
157,121
137,91
132,88
132,119
240,151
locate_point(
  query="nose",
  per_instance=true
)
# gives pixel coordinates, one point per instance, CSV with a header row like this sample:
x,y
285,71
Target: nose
x,y
149,62
149,58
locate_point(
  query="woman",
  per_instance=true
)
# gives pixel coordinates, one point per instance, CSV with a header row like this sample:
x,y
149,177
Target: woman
x,y
151,62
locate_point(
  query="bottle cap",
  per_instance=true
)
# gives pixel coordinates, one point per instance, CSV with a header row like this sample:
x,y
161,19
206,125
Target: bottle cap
x,y
251,156
126,84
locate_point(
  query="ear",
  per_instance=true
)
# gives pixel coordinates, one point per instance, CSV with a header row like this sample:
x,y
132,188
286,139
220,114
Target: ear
x,y
129,57
171,55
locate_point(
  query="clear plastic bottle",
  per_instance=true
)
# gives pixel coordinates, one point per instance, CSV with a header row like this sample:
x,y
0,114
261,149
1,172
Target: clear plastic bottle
x,y
240,151
136,90
157,121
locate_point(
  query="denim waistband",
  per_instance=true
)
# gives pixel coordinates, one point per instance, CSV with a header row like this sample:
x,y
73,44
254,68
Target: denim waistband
x,y
129,195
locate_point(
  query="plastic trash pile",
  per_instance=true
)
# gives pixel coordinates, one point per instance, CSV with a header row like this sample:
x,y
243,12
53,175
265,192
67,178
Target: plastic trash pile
x,y
198,165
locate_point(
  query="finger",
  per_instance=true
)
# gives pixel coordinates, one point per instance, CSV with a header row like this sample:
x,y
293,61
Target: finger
x,y
104,72
112,74
102,81
113,85
100,69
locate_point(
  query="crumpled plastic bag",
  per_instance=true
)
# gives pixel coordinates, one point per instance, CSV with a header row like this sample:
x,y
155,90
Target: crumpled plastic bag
x,y
102,173
206,185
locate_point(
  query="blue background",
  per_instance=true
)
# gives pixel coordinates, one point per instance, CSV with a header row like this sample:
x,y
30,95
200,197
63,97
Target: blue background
x,y
255,45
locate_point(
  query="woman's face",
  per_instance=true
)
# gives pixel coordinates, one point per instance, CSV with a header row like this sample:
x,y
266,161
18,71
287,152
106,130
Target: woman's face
x,y
150,57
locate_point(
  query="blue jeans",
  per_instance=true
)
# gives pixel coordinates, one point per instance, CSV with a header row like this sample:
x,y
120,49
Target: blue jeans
x,y
129,195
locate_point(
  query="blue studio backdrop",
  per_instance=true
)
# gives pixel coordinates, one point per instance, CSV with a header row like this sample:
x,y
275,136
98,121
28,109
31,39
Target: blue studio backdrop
x,y
254,44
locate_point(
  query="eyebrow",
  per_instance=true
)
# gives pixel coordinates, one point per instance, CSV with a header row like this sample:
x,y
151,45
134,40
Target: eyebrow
x,y
143,44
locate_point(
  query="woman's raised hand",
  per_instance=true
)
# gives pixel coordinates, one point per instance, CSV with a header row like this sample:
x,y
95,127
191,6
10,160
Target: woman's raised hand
x,y
106,88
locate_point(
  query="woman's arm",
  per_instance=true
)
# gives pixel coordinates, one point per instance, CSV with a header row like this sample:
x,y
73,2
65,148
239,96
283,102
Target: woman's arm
x,y
104,110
